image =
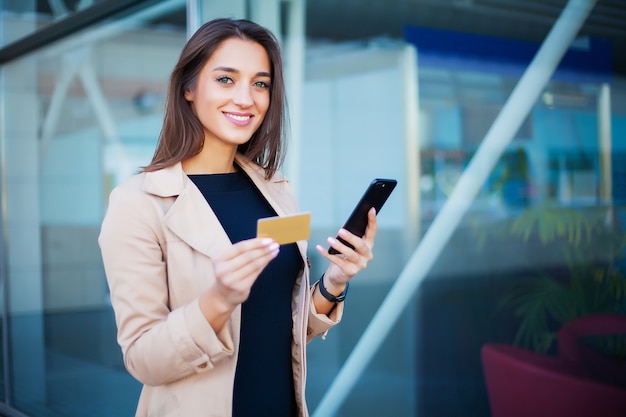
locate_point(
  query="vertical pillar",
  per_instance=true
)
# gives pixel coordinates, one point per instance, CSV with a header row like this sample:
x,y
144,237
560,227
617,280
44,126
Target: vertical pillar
x,y
410,81
267,13
409,68
295,44
212,9
604,144
194,16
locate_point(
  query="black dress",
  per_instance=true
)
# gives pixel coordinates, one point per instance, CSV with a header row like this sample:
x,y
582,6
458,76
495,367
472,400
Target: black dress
x,y
264,384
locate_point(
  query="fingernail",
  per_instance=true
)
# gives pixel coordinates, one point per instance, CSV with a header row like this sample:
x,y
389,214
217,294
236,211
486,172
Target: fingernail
x,y
342,232
274,247
267,241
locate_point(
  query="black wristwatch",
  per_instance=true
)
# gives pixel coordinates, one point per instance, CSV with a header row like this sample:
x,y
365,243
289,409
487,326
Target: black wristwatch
x,y
332,298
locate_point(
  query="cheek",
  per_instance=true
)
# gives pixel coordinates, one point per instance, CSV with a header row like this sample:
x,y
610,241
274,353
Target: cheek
x,y
264,103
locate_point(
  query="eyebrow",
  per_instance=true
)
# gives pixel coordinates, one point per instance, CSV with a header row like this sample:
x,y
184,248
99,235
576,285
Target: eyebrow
x,y
236,71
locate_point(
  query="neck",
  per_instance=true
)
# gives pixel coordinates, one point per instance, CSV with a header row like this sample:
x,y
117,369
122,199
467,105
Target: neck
x,y
210,163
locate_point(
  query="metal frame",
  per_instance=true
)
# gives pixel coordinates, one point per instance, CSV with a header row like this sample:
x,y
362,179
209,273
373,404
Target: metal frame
x,y
69,25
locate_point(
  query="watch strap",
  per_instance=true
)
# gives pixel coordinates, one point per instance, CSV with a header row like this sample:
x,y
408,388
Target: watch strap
x,y
330,297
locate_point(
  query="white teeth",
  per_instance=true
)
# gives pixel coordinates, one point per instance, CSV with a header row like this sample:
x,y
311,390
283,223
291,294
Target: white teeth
x,y
240,118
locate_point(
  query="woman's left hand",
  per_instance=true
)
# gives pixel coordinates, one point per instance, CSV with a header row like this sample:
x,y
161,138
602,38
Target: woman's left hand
x,y
349,261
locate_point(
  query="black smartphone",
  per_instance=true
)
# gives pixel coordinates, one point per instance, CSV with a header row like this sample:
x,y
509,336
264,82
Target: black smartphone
x,y
375,196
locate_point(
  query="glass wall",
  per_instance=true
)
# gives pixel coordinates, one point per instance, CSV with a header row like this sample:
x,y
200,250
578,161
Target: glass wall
x,y
396,92
539,246
78,116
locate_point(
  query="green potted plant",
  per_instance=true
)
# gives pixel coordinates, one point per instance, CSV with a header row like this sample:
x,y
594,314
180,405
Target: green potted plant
x,y
591,242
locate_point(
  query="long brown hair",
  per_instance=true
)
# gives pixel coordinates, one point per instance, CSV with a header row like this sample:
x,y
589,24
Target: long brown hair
x,y
182,134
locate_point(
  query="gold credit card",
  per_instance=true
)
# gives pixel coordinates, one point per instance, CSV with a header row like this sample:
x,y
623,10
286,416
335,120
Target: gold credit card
x,y
287,229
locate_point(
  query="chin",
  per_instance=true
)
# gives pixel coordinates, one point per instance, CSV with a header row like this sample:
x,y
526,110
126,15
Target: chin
x,y
240,141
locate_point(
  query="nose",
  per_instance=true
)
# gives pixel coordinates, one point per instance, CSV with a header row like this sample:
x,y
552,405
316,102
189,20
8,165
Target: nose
x,y
243,96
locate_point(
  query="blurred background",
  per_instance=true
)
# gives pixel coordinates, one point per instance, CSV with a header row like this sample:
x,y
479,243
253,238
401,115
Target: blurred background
x,y
530,269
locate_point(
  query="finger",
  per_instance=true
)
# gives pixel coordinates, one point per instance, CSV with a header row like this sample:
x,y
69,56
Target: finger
x,y
364,245
242,253
235,284
250,261
339,245
359,254
348,259
244,246
236,265
337,259
359,246
372,227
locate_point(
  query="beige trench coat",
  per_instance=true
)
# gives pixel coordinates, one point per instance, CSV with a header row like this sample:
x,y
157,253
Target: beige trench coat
x,y
157,240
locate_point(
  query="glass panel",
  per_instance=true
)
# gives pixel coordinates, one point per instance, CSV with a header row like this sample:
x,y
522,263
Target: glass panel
x,y
79,115
542,242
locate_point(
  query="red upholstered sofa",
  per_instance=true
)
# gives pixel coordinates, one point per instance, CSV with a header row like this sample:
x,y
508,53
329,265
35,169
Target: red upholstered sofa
x,y
523,383
576,344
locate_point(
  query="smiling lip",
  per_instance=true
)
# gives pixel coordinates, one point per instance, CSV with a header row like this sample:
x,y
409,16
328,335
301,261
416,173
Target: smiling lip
x,y
239,119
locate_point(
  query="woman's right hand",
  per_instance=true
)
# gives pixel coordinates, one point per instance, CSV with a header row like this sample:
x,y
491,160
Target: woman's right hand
x,y
236,269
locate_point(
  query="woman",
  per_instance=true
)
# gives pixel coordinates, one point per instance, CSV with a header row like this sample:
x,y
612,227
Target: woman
x,y
212,320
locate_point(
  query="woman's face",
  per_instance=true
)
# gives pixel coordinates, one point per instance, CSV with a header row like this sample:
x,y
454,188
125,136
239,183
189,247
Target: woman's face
x,y
232,93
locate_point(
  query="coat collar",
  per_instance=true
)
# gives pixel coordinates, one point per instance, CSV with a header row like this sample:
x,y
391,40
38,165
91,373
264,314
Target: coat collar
x,y
172,181
191,218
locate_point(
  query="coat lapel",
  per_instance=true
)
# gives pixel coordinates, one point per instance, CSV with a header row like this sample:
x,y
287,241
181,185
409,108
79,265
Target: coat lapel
x,y
271,190
274,191
190,217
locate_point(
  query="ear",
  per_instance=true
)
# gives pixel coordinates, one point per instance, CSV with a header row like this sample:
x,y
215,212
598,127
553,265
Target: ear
x,y
189,96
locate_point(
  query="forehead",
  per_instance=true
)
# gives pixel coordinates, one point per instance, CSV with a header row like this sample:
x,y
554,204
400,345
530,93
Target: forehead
x,y
241,55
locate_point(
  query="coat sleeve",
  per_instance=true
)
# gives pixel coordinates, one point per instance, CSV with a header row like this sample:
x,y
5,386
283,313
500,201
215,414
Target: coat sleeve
x,y
321,323
159,346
